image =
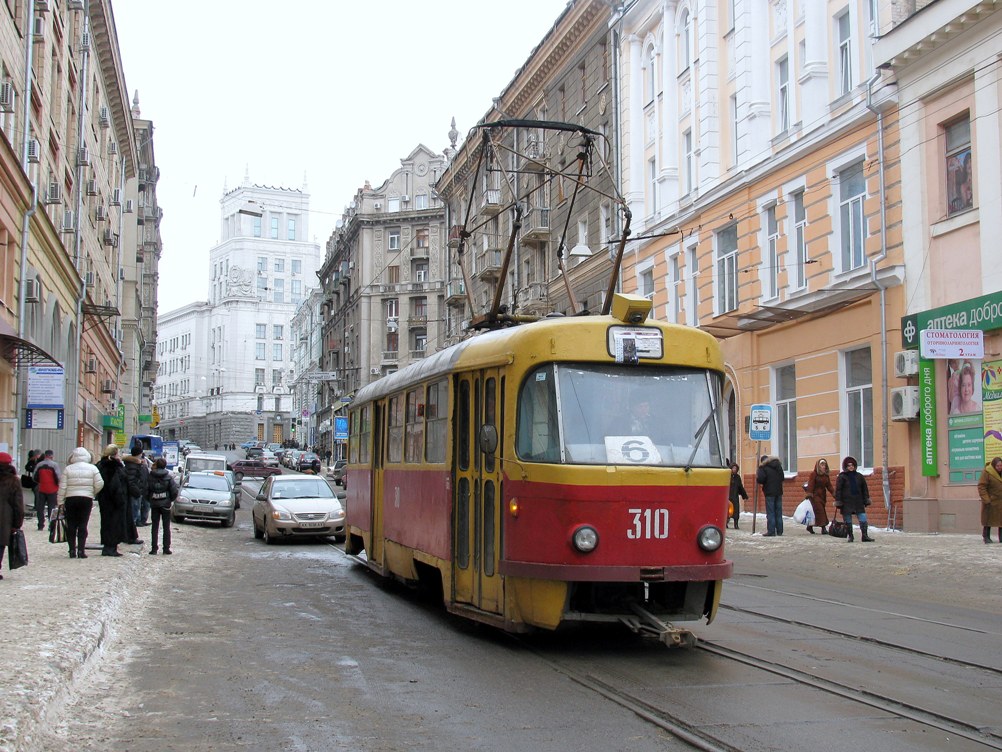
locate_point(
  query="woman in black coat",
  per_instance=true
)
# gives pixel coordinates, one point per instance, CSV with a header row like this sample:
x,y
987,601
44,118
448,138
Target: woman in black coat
x,y
11,502
113,500
852,497
736,493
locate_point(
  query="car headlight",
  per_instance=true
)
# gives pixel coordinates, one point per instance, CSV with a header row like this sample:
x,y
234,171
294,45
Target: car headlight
x,y
710,538
280,514
226,502
585,539
336,515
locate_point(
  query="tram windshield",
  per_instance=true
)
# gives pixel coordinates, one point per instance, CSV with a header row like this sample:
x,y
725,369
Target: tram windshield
x,y
622,415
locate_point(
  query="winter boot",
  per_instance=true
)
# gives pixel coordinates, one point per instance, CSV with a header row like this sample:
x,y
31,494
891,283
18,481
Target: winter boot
x,y
849,538
986,534
73,553
81,554
810,529
824,530
862,528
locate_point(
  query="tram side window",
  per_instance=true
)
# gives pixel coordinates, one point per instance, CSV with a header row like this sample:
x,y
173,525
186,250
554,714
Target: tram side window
x,y
363,427
353,437
435,415
415,427
537,433
395,430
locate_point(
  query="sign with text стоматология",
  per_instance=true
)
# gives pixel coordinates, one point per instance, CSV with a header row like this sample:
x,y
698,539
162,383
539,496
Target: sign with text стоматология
x,y
952,343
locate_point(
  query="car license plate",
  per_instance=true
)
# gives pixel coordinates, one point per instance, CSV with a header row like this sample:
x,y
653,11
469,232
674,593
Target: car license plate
x,y
203,508
312,524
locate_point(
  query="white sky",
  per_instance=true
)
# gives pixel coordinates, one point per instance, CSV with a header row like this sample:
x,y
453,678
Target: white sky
x,y
338,92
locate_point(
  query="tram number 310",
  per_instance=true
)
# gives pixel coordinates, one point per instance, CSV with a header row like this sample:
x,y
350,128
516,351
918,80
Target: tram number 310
x,y
648,524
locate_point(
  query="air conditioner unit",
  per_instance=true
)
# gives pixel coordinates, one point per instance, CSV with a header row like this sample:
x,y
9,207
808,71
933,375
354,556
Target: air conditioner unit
x,y
377,206
31,291
68,224
100,214
116,197
34,151
83,157
6,96
38,29
905,403
391,323
906,363
107,387
91,366
129,206
405,198
91,187
109,237
54,194
374,371
103,118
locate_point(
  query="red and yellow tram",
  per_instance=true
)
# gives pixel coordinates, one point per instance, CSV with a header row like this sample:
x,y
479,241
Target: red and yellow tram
x,y
561,471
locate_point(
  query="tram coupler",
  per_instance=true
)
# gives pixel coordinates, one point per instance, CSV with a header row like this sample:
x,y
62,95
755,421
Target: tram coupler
x,y
647,623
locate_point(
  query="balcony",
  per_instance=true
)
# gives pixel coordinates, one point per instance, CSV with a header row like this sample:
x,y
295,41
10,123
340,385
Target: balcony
x,y
390,356
419,252
535,157
536,224
535,299
417,321
455,293
418,354
455,235
488,264
491,203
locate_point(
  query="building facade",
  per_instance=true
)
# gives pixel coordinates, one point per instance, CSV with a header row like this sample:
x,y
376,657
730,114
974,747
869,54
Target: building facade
x,y
226,364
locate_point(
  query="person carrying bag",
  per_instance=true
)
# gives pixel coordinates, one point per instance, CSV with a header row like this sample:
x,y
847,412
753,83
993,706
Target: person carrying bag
x,y
11,515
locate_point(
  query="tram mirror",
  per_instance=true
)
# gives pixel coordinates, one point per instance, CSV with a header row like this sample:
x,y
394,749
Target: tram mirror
x,y
488,438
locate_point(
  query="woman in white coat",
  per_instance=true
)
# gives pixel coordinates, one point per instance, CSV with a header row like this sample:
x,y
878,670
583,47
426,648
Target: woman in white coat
x,y
80,483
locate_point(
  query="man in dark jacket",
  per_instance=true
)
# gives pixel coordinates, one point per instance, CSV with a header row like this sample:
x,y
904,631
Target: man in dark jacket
x,y
46,477
770,477
138,475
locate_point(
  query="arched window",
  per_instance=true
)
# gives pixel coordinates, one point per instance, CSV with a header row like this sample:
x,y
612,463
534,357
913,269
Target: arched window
x,y
652,74
684,39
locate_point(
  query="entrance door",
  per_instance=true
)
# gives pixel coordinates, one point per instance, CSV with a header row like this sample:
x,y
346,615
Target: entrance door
x,y
374,551
477,493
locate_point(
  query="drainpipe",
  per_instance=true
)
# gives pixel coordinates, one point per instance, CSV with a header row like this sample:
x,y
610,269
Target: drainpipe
x,y
21,378
886,481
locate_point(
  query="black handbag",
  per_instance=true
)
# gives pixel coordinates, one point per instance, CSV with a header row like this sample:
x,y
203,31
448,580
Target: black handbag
x,y
27,481
17,550
838,529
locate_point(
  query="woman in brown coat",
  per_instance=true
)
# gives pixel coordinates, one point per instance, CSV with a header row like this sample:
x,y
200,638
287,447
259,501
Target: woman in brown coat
x,y
990,490
11,501
819,485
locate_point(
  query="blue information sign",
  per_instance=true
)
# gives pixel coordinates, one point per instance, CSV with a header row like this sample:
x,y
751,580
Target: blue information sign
x,y
340,428
760,425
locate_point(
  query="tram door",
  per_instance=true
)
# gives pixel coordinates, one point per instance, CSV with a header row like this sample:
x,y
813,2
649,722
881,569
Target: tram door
x,y
477,513
374,552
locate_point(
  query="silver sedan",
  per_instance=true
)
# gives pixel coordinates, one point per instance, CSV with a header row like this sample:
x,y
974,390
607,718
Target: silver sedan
x,y
296,506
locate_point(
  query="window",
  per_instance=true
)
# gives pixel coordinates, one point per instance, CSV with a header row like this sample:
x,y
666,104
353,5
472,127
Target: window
x,y
297,266
259,351
413,446
421,201
262,264
734,128
420,271
652,75
393,205
435,414
687,173
279,265
652,181
292,229
800,239
393,240
676,290
420,342
692,262
421,238
771,253
844,31
684,34
645,283
852,189
392,308
279,291
393,274
257,227
277,330
583,82
274,227
260,331
959,174
258,377
392,341
276,351
783,99
859,406
727,269
605,224
395,430
297,290
420,308
786,416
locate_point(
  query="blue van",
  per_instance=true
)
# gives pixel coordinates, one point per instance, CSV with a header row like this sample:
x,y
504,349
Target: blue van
x,y
153,446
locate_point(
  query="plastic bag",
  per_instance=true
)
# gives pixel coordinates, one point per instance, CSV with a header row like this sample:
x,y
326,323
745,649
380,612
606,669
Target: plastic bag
x,y
804,513
17,550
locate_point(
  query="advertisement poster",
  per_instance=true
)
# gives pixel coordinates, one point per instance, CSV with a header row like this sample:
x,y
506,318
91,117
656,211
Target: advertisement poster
x,y
991,392
965,421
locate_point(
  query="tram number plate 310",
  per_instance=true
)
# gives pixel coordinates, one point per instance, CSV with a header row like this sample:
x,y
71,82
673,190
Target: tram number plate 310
x,y
647,524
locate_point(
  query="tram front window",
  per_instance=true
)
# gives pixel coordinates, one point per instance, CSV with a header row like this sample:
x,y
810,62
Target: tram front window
x,y
611,414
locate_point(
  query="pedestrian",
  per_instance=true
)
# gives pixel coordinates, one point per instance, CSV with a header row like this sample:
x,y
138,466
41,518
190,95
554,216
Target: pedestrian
x,y
990,490
80,485
770,476
315,466
819,486
852,497
736,493
46,477
139,478
11,502
327,457
163,492
28,476
113,500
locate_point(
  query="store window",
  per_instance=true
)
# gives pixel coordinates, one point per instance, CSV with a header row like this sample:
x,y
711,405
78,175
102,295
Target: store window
x,y
859,406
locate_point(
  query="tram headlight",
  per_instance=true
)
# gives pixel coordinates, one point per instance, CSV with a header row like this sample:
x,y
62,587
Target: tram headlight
x,y
710,538
585,539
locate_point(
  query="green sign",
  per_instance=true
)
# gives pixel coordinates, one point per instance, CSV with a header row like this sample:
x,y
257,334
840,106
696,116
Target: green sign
x,y
145,418
984,313
927,417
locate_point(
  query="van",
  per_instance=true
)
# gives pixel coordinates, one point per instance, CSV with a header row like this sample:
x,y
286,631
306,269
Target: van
x,y
197,463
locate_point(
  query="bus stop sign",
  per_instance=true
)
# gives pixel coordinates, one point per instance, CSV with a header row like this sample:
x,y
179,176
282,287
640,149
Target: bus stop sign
x,y
760,425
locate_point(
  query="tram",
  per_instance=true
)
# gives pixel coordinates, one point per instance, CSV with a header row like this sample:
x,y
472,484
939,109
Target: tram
x,y
565,470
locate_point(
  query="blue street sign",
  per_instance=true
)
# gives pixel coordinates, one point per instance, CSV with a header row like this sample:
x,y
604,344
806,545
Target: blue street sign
x,y
760,425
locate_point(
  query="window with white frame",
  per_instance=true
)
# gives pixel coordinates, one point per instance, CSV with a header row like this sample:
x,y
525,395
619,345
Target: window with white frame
x,y
783,94
852,191
684,39
260,331
279,265
297,266
274,227
277,331
392,308
676,289
421,201
262,287
605,224
291,229
692,280
959,177
859,405
393,205
800,240
645,283
734,128
276,351
262,264
393,240
258,377
652,75
278,291
786,416
259,350
844,34
276,377
257,227
771,259
297,291
687,156
727,269
652,184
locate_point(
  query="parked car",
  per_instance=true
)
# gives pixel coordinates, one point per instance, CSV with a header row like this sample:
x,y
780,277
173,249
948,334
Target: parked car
x,y
294,506
234,486
252,452
249,444
269,458
254,468
305,461
336,472
289,458
205,496
273,447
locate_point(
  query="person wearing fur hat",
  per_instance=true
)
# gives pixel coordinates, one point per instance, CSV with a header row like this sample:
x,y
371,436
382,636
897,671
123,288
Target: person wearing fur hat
x,y
11,502
139,480
113,500
80,485
990,491
770,476
852,497
818,487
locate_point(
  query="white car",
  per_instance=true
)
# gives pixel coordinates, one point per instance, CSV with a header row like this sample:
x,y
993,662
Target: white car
x,y
205,496
269,458
296,506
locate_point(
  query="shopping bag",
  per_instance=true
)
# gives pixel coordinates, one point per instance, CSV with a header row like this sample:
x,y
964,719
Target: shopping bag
x,y
17,550
838,529
804,513
57,527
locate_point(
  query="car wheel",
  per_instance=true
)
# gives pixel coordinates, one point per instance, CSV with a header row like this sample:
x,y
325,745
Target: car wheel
x,y
258,532
270,539
178,518
340,538
228,522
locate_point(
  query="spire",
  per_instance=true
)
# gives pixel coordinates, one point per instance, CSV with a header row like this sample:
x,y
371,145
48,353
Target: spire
x,y
450,151
135,104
